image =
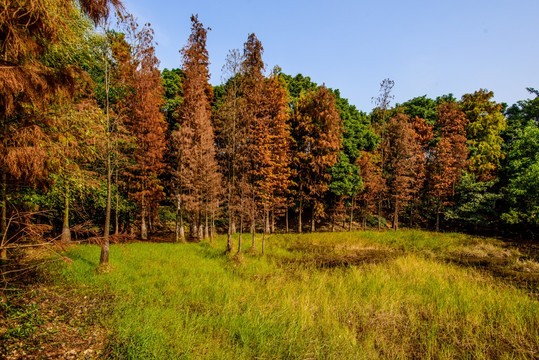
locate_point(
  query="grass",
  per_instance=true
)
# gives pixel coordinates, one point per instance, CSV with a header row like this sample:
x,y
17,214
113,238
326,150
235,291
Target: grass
x,y
313,296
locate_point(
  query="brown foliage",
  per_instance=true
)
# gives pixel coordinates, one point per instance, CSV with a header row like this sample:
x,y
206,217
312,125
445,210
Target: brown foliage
x,y
449,155
316,132
199,179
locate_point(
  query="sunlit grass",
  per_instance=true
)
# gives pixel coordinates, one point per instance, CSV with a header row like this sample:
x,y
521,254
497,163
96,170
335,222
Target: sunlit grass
x,y
191,301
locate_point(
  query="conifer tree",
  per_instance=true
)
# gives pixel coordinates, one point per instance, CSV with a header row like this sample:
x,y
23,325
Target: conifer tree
x,y
316,132
194,140
449,156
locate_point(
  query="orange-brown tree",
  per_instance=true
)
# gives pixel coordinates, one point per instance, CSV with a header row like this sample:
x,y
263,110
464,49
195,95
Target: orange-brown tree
x,y
316,129
272,156
449,158
29,31
199,179
404,162
145,121
373,184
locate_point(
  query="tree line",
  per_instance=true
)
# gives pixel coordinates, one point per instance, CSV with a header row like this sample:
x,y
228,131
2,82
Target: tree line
x,y
97,142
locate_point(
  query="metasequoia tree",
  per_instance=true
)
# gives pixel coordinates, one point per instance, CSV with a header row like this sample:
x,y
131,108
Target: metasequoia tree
x,y
373,184
231,139
255,122
272,157
423,136
198,179
403,162
379,118
146,123
28,32
449,156
316,132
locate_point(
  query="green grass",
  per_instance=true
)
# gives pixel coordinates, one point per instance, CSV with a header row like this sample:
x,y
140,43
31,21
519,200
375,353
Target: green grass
x,y
401,300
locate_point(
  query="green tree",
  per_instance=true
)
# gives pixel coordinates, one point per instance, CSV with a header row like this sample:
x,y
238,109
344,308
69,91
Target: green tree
x,y
486,124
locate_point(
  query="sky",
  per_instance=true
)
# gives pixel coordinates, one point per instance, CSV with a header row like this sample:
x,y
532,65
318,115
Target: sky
x,y
427,47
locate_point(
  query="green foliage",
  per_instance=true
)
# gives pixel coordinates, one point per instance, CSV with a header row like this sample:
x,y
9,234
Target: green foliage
x,y
422,107
172,83
475,201
345,178
484,132
522,168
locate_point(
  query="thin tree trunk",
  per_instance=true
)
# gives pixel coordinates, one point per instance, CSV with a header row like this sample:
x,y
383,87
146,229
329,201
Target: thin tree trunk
x,y
273,221
266,215
116,217
206,227
286,219
212,228
241,233
177,220
351,215
299,215
438,220
3,220
104,258
66,232
396,217
253,230
379,215
143,226
312,223
229,232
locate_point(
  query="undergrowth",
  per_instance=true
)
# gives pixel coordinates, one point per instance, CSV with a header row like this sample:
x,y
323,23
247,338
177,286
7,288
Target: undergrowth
x,y
329,295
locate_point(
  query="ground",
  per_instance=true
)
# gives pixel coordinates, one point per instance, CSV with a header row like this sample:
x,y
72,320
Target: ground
x,y
332,295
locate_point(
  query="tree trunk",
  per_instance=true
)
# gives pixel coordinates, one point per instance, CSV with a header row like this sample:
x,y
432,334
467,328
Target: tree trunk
x,y
200,230
396,217
379,215
3,220
104,258
241,233
212,228
3,204
351,216
266,221
266,215
206,227
253,230
299,215
116,217
229,233
66,232
312,222
273,221
143,226
177,220
438,221
286,219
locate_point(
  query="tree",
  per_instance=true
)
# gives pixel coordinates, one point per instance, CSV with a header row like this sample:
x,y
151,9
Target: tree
x,y
521,168
486,123
379,117
403,162
316,133
194,140
145,121
449,156
373,181
230,139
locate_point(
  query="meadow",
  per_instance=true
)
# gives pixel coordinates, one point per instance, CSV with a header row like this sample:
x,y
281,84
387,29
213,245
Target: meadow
x,y
326,295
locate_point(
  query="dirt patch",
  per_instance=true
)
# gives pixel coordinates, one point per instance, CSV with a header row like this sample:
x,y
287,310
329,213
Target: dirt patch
x,y
332,259
49,322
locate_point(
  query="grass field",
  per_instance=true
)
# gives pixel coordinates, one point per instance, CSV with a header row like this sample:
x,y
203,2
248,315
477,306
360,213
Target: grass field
x,y
409,294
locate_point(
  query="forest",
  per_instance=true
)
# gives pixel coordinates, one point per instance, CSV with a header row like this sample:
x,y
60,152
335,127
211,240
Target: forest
x,y
97,142
100,146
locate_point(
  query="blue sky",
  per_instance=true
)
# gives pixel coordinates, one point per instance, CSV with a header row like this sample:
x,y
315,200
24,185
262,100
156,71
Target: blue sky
x,y
427,47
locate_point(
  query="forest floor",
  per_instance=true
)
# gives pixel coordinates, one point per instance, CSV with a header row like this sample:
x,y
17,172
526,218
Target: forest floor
x,y
359,295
